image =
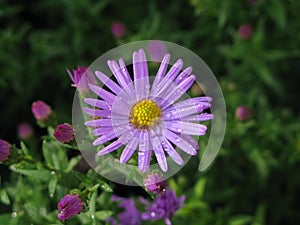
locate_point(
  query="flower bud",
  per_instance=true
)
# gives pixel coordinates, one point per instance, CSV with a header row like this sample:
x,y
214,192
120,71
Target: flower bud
x,y
5,149
243,113
118,29
41,110
245,31
155,183
68,206
24,131
64,133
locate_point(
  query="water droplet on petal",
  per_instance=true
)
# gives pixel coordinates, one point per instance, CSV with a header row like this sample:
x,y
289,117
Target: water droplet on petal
x,y
152,214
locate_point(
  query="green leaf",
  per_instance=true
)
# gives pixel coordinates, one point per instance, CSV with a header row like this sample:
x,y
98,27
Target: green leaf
x,y
105,187
52,186
40,174
103,214
4,197
200,187
240,220
72,163
55,156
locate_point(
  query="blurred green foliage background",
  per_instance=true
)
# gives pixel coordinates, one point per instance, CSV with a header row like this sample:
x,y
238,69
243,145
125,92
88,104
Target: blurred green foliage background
x,y
255,178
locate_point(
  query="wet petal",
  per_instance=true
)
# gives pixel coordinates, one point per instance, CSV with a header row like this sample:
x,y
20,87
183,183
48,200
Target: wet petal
x,y
181,143
97,103
110,148
167,146
186,127
108,82
105,95
129,150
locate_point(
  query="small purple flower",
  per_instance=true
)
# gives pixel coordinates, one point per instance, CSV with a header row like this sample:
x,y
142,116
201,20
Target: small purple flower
x,y
155,183
24,131
243,113
4,150
164,207
157,50
245,31
41,110
64,133
69,206
81,78
130,216
151,118
118,29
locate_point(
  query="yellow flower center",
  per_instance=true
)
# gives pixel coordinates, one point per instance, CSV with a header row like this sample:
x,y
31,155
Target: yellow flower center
x,y
144,114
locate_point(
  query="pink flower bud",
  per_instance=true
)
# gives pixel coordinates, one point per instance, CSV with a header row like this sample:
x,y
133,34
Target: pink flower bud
x,y
118,29
245,31
68,206
64,133
155,183
5,148
24,131
41,110
243,113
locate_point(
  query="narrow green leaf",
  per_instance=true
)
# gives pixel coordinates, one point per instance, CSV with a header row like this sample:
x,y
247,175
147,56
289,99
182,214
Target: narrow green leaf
x,y
40,174
200,187
72,163
4,197
240,220
103,214
52,186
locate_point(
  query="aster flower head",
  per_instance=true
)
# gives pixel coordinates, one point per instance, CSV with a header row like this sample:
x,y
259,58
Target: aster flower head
x,y
243,113
81,77
155,183
164,206
147,117
118,29
245,31
5,150
68,206
24,131
41,110
130,216
64,133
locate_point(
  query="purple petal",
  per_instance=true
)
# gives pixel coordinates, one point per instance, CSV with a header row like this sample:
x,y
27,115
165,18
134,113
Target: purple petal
x,y
180,89
116,70
181,143
175,69
161,158
198,118
96,112
183,75
144,153
105,138
102,130
108,82
129,150
125,71
171,152
141,77
186,127
97,103
161,73
99,123
190,140
105,95
181,112
110,148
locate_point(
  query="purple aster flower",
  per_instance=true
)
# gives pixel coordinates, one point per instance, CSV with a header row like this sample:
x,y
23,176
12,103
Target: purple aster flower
x,y
118,29
157,50
164,206
245,31
64,133
41,110
155,183
24,131
69,206
130,216
81,77
243,113
147,117
4,150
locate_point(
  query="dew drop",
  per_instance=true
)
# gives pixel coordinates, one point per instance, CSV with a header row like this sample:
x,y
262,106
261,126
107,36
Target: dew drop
x,y
152,214
14,214
93,217
177,140
179,130
51,195
52,173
